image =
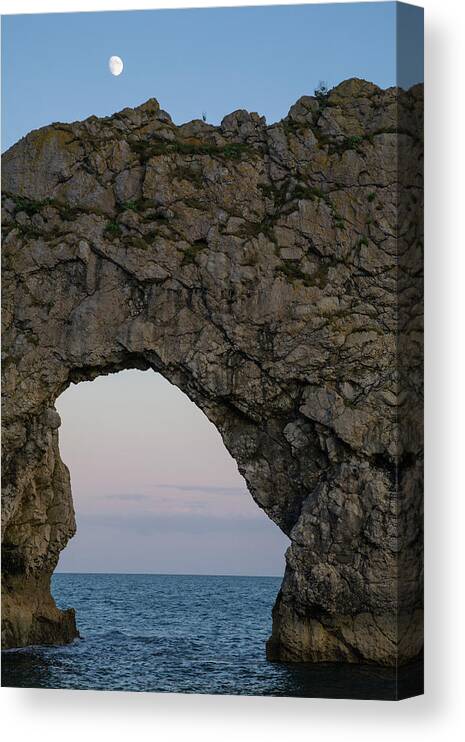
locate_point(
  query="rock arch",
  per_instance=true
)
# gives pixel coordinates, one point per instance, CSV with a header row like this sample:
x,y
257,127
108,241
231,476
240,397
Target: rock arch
x,y
268,272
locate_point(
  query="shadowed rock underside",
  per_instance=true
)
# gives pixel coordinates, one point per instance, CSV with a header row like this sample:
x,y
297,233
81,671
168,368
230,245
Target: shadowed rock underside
x,y
273,273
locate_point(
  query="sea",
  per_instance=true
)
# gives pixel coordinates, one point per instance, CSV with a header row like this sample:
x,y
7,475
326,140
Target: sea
x,y
185,634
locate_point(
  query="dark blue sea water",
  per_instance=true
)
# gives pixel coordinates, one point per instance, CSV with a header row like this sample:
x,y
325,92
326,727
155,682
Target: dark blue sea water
x,y
184,634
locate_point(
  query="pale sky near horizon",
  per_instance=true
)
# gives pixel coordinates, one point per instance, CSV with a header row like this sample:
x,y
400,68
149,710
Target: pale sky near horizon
x,y
154,487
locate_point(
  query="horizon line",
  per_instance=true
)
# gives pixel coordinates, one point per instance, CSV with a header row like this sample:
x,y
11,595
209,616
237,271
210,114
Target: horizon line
x,y
163,574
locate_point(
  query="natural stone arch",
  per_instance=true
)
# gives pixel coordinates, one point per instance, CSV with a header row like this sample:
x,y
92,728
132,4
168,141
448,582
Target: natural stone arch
x,y
259,269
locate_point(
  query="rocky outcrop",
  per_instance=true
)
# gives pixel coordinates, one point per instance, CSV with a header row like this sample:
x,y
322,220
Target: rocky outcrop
x,y
273,273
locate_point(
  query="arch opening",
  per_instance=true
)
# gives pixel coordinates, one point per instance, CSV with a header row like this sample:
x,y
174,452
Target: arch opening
x,y
154,488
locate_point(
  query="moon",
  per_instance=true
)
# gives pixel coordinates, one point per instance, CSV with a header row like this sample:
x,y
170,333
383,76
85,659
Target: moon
x,y
115,65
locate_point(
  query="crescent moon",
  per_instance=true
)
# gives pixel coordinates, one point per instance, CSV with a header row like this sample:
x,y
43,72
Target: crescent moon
x,y
115,65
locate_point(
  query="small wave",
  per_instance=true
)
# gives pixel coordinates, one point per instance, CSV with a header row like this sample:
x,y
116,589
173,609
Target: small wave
x,y
117,635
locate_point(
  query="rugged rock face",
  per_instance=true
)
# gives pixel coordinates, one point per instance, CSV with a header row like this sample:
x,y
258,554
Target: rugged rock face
x,y
273,273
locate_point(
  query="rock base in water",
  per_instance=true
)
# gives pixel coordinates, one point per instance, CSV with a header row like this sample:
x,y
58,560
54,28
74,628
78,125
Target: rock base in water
x,y
30,616
364,638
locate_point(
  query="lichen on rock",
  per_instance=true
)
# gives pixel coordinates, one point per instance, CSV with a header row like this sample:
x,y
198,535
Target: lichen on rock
x,y
273,273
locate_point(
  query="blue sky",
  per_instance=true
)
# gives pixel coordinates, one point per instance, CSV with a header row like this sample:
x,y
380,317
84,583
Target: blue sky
x,y
214,60
154,488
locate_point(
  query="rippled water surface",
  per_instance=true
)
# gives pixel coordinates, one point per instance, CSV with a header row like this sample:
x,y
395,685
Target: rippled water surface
x,y
185,634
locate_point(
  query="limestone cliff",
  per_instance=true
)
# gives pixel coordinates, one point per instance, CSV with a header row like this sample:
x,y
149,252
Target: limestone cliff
x,y
273,273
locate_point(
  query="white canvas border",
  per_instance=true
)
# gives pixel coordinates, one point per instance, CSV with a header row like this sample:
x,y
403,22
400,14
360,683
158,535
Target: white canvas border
x,y
50,715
